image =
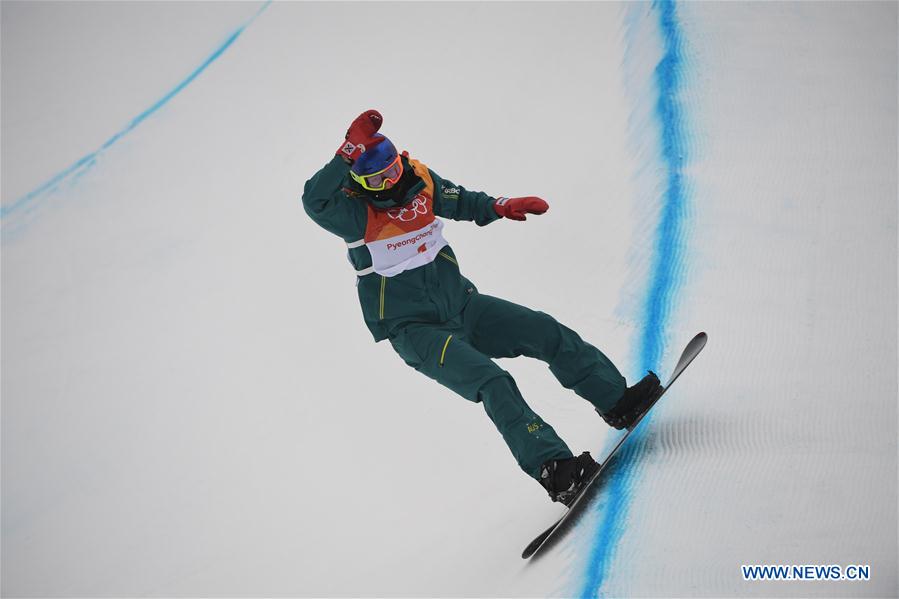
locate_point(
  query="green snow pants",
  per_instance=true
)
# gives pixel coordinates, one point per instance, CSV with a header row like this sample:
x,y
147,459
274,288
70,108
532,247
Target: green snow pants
x,y
457,354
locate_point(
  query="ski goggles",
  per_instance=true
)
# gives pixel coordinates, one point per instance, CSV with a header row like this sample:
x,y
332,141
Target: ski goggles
x,y
378,181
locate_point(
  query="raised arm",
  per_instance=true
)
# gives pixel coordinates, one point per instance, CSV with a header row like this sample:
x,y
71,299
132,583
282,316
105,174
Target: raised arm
x,y
326,203
323,196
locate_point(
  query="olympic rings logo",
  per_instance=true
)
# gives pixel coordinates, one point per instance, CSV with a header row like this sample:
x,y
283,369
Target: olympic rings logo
x,y
419,206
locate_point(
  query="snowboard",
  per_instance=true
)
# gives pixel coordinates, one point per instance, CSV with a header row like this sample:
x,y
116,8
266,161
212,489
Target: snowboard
x,y
593,486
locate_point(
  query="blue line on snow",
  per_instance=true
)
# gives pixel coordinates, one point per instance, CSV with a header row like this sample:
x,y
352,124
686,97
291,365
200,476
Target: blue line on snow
x,y
83,164
663,286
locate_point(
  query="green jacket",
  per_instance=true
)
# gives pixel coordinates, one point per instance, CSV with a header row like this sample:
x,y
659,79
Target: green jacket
x,y
433,292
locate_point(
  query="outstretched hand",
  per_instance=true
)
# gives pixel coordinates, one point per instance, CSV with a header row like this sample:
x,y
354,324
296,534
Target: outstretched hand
x,y
517,208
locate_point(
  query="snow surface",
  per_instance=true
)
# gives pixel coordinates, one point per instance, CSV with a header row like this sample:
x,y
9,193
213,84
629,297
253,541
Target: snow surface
x,y
191,405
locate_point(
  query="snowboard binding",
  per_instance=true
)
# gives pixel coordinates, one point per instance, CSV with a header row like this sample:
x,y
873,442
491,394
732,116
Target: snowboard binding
x,y
564,479
635,401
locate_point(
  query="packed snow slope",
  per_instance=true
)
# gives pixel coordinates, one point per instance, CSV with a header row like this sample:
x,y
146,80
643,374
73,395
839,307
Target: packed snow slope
x,y
192,406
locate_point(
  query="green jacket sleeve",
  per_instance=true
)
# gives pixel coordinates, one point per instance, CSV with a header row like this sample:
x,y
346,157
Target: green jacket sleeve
x,y
455,202
327,204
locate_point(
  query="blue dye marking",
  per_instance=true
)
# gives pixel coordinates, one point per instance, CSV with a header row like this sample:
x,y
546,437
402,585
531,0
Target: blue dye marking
x,y
82,165
663,286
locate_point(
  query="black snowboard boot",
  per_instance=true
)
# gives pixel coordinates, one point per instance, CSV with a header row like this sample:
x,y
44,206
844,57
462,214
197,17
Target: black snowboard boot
x,y
563,479
635,401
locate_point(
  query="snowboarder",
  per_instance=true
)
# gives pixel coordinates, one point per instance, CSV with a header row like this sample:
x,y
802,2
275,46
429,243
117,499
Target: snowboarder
x,y
386,207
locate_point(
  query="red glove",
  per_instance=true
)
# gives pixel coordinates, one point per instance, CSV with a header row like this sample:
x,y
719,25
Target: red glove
x,y
516,208
361,135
